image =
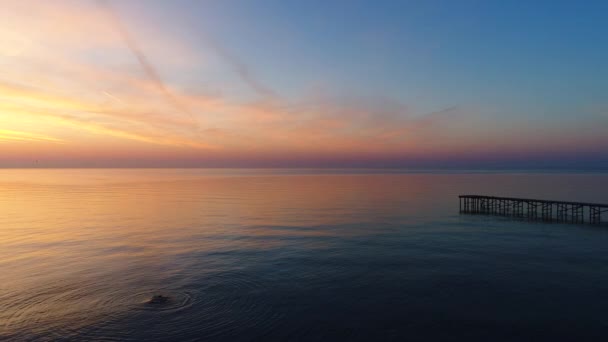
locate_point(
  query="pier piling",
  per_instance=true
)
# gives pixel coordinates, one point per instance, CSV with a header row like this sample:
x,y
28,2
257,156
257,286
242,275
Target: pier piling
x,y
550,211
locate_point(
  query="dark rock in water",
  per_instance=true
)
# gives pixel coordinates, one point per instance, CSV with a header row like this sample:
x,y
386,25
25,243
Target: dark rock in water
x,y
158,299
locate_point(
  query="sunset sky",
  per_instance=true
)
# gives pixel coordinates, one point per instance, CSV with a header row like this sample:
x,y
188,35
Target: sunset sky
x,y
437,84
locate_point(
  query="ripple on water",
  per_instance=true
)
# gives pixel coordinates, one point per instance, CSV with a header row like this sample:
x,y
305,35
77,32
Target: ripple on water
x,y
221,304
238,301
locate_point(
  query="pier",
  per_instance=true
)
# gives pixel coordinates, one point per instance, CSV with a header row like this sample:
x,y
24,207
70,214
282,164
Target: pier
x,y
533,209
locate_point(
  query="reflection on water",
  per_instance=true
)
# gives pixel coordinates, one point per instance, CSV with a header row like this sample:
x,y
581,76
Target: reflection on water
x,y
292,255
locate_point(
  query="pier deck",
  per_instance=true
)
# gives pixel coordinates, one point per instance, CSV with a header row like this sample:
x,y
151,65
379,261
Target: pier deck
x,y
534,209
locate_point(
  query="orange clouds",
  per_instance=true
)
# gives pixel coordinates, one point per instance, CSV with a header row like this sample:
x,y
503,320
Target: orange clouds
x,y
73,86
52,86
8,135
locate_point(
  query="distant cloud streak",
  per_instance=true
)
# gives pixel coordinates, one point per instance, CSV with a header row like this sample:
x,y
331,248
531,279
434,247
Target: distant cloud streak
x,y
150,71
9,135
241,70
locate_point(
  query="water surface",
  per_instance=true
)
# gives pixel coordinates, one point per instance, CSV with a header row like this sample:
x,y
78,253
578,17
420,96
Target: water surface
x,y
294,255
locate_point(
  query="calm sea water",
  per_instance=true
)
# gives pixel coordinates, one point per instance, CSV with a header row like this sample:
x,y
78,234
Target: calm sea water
x,y
298,255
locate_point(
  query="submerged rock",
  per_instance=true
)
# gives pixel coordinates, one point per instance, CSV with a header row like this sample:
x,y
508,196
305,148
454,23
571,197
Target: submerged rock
x,y
158,299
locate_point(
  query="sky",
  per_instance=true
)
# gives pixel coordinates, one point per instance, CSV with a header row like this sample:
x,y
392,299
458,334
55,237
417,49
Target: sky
x,y
265,83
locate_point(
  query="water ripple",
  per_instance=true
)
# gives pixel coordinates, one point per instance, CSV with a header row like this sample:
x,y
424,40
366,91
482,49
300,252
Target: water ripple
x,y
220,305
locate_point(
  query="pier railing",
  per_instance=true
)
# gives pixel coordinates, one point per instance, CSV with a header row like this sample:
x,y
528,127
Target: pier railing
x,y
551,211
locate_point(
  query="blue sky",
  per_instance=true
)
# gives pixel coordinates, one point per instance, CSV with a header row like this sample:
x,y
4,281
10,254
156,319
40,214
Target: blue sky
x,y
535,57
511,73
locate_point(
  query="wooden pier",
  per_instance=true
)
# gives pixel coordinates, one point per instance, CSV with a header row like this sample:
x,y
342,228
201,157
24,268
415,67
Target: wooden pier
x,y
533,209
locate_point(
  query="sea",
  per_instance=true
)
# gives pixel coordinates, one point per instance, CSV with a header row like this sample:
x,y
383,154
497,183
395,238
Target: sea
x,y
295,255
